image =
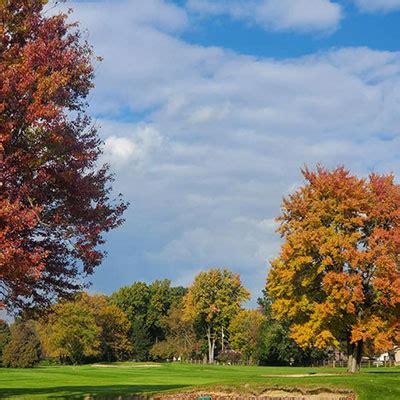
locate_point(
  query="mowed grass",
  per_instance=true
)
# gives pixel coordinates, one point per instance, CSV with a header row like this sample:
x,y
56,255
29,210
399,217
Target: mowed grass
x,y
61,382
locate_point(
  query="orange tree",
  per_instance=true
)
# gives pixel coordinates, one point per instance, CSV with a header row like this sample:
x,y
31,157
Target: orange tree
x,y
337,277
55,200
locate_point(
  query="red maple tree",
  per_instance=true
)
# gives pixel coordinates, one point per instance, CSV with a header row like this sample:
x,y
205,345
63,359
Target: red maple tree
x,y
55,200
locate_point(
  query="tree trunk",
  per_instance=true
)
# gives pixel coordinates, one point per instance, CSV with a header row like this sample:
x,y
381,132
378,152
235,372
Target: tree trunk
x,y
211,346
222,339
354,357
213,350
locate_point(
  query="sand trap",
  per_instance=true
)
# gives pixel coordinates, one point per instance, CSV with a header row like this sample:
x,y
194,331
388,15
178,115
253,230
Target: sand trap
x,y
126,366
272,394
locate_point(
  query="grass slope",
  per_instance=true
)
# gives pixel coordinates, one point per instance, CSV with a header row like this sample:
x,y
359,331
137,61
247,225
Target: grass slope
x,y
76,382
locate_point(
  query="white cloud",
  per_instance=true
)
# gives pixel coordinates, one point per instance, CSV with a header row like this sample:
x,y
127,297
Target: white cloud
x,y
157,14
218,138
378,5
138,144
297,15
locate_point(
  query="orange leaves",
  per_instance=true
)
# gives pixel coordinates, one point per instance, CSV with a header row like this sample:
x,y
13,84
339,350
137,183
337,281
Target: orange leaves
x,y
345,290
374,329
339,265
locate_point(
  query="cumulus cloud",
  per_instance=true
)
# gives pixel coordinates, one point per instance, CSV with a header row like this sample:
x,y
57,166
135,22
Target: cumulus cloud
x,y
296,15
134,145
378,5
217,138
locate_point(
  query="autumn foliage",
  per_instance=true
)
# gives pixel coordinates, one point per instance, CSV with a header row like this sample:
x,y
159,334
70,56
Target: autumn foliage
x,y
212,301
337,277
87,328
55,199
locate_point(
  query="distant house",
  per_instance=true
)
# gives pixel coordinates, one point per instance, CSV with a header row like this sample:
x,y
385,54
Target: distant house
x,y
397,355
388,356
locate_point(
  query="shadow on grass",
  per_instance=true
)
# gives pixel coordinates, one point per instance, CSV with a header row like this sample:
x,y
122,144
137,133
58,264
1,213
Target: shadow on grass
x,y
383,372
134,392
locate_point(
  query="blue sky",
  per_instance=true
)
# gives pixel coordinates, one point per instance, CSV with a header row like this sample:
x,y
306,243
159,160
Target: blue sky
x,y
209,109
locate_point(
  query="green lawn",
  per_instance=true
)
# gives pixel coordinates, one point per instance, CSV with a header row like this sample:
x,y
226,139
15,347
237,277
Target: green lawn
x,y
76,382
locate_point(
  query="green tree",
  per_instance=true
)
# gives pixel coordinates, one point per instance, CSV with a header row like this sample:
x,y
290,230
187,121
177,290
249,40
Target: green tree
x,y
245,331
275,345
211,302
140,339
146,306
23,349
4,337
134,301
162,297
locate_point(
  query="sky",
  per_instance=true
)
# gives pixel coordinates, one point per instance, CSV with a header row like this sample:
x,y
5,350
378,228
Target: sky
x,y
210,108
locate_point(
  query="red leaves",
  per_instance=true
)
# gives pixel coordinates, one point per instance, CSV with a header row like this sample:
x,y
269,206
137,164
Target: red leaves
x,y
55,205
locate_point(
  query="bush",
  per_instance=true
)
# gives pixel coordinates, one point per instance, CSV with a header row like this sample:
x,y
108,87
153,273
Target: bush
x,y
229,357
23,349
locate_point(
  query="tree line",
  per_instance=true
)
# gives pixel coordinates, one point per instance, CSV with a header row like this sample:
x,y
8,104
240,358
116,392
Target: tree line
x,y
156,322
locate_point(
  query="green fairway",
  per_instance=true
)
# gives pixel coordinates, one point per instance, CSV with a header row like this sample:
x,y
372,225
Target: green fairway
x,y
124,379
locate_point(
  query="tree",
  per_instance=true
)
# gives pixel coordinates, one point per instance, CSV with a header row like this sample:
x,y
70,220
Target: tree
x,y
134,301
146,306
276,346
114,327
337,277
71,334
162,297
87,328
4,337
245,330
180,341
55,200
23,348
211,302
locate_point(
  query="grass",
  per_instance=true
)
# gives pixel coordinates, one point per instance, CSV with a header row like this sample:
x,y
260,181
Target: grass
x,y
59,382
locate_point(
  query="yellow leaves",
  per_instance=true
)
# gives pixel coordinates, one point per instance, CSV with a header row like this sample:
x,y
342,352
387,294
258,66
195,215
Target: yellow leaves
x,y
314,332
215,295
244,331
367,329
325,339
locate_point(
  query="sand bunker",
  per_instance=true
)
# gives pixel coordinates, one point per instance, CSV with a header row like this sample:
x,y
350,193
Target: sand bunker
x,y
270,394
126,366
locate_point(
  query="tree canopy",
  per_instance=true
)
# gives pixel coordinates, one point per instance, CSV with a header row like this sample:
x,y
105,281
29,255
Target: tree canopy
x,y
146,306
55,201
245,333
211,302
337,277
87,328
23,347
